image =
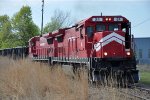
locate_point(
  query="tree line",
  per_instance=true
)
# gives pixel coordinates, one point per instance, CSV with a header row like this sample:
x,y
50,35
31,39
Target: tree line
x,y
17,31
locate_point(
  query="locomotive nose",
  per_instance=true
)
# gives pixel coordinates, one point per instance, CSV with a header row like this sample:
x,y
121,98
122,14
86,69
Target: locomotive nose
x,y
109,44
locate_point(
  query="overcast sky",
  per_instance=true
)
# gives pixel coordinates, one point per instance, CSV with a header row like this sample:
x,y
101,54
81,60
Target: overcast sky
x,y
137,11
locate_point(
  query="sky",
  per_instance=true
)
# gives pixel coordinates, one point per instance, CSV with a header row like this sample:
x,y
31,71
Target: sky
x,y
136,11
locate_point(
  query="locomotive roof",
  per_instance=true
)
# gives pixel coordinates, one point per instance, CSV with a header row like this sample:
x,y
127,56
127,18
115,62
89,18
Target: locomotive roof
x,y
34,38
90,19
80,23
54,33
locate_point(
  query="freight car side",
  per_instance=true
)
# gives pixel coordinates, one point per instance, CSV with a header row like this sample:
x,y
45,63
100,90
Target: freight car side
x,y
15,53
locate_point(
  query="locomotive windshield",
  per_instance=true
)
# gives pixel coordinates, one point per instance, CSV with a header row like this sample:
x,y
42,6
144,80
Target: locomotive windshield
x,y
100,28
113,27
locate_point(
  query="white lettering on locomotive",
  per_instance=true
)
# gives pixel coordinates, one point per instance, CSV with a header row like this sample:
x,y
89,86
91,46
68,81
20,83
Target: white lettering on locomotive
x,y
97,19
118,19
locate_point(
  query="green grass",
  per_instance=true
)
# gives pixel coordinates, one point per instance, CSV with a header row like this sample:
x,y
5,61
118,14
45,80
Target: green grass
x,y
145,77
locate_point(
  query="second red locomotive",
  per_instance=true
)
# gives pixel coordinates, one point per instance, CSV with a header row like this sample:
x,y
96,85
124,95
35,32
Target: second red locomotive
x,y
102,43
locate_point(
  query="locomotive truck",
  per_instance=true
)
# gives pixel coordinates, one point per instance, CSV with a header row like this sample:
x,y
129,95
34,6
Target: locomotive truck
x,y
103,44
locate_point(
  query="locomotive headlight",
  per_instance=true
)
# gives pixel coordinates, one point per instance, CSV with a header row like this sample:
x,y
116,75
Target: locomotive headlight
x,y
109,19
128,53
105,54
106,19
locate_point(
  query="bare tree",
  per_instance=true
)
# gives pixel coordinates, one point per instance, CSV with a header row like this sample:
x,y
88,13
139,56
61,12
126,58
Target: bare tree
x,y
59,20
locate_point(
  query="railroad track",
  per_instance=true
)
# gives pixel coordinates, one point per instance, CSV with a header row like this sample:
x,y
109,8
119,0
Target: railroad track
x,y
134,96
132,93
145,91
137,93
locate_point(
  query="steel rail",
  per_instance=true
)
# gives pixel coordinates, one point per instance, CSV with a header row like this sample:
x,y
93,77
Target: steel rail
x,y
134,96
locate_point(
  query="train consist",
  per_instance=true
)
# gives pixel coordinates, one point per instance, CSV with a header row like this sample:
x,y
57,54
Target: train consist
x,y
103,44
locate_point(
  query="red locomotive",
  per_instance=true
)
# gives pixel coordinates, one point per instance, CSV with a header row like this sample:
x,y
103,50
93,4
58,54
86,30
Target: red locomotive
x,y
102,43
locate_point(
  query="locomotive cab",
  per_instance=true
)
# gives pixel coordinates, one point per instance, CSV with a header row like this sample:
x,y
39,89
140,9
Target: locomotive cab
x,y
110,36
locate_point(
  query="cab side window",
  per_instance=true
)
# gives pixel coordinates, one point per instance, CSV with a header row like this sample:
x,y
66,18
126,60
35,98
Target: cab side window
x,y
50,41
100,28
60,39
89,31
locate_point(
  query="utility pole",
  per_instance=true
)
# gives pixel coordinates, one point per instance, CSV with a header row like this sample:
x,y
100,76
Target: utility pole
x,y
42,17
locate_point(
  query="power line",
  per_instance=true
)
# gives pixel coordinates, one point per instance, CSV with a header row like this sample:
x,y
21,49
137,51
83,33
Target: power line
x,y
141,23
